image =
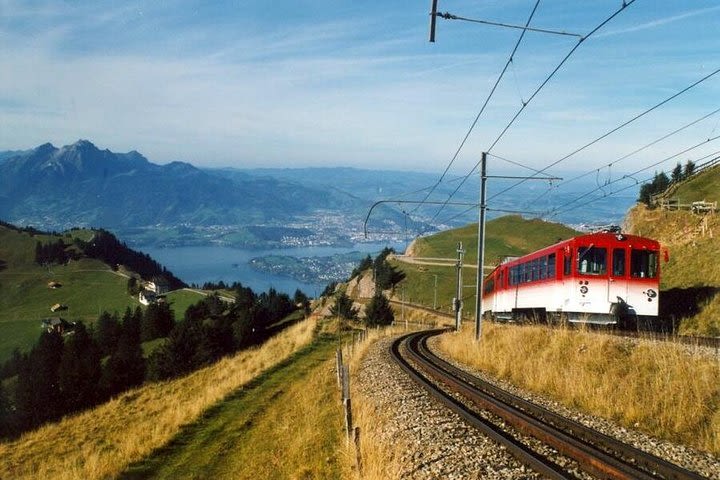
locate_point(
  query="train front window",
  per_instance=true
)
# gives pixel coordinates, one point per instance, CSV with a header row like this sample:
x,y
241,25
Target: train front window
x,y
592,261
643,264
618,261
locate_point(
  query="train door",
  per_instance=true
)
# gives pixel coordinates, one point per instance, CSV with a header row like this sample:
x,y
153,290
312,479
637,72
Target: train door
x,y
617,280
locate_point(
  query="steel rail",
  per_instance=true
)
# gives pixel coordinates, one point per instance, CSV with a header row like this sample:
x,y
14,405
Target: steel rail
x,y
521,452
595,452
649,462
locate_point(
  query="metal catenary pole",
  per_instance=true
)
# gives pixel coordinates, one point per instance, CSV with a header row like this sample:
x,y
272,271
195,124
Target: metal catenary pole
x,y
479,287
458,289
480,248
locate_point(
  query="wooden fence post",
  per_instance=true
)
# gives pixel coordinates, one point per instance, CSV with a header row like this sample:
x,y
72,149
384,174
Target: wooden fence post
x,y
348,418
339,366
358,456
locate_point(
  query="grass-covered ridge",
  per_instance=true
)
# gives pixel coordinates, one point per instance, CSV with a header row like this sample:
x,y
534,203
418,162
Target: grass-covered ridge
x,y
103,442
604,375
510,235
88,287
690,280
702,186
505,236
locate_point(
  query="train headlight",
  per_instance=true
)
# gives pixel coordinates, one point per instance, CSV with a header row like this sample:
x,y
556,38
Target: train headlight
x,y
651,293
584,289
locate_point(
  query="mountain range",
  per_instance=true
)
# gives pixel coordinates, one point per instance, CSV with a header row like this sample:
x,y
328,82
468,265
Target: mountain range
x,y
81,185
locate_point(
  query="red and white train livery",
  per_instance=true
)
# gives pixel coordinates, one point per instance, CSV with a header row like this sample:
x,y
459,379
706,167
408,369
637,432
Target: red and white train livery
x,y
603,278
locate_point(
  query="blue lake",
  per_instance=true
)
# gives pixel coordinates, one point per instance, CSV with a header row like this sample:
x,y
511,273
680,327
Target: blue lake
x,y
213,264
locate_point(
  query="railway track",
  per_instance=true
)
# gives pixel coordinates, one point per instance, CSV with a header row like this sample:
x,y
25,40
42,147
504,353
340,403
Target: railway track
x,y
594,452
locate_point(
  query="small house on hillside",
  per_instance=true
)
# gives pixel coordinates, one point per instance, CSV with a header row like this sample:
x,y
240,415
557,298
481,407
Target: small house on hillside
x,y
57,307
147,297
59,325
54,285
158,285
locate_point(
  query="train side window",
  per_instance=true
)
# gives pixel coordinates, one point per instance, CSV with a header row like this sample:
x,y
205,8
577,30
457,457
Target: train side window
x,y
618,261
535,269
543,268
567,268
528,271
592,260
489,286
643,264
551,266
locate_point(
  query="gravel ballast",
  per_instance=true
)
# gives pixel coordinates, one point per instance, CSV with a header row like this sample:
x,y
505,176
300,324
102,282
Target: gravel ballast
x,y
436,443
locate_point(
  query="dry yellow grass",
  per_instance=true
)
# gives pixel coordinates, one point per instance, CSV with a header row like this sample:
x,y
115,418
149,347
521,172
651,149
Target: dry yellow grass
x,y
102,442
655,387
380,457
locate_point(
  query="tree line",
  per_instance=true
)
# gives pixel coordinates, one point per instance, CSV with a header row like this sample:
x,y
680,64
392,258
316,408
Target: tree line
x,y
106,247
378,310
66,374
661,181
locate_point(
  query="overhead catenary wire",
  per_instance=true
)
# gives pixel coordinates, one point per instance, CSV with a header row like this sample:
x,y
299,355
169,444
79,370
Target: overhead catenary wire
x,y
564,206
634,152
482,109
626,4
649,179
619,127
517,164
450,16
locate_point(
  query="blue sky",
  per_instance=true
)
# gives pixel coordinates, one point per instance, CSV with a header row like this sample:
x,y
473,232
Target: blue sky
x,y
354,83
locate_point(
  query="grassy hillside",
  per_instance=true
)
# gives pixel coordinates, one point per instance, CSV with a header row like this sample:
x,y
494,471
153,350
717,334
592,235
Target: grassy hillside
x,y
105,441
690,280
255,423
505,236
510,235
703,186
89,286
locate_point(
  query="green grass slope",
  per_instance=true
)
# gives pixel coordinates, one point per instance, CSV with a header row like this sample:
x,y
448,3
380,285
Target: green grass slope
x,y
690,280
509,235
257,430
89,286
703,186
505,236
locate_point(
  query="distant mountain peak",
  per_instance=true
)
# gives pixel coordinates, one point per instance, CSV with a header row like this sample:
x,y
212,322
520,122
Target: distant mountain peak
x,y
45,148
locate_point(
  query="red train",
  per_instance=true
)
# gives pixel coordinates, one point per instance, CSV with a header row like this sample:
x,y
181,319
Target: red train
x,y
602,278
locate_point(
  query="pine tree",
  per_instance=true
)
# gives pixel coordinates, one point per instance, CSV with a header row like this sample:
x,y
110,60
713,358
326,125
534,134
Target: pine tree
x,y
38,397
80,371
157,322
107,332
126,366
302,300
344,307
378,311
689,169
5,413
178,355
677,173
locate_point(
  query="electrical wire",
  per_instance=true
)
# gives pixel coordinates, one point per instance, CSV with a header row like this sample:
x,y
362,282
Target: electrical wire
x,y
626,3
644,147
610,132
450,16
517,164
586,194
482,109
